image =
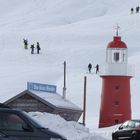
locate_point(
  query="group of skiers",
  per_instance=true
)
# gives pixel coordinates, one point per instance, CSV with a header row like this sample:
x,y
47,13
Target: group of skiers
x,y
90,67
32,47
136,10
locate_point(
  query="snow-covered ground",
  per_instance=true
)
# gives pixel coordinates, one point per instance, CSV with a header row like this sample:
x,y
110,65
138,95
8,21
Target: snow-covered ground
x,y
75,31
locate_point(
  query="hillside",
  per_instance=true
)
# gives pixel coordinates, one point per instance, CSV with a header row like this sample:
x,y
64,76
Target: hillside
x,y
73,31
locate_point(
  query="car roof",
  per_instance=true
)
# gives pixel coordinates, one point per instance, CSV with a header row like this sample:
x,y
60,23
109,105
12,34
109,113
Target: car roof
x,y
134,120
4,105
9,109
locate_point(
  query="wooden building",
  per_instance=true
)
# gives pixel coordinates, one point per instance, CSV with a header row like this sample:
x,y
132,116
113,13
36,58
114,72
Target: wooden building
x,y
31,100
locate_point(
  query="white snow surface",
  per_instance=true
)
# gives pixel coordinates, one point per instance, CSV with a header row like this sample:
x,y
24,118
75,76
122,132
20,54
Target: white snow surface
x,y
71,130
75,31
56,99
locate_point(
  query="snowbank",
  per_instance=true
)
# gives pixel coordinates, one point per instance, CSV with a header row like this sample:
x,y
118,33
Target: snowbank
x,y
71,130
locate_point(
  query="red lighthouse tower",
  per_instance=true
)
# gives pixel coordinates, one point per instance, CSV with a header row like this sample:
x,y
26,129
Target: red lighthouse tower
x,y
115,97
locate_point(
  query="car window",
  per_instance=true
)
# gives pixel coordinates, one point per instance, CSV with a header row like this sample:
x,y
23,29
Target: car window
x,y
2,135
131,124
137,124
124,125
10,121
33,121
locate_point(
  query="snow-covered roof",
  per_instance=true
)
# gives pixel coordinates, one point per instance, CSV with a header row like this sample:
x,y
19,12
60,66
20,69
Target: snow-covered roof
x,y
56,99
53,99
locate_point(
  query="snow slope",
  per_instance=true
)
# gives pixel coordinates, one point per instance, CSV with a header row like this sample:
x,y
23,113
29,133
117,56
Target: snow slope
x,y
73,31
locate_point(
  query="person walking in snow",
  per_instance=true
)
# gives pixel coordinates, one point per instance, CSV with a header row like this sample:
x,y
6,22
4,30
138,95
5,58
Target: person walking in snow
x,y
89,67
132,10
137,9
97,68
32,49
38,47
25,41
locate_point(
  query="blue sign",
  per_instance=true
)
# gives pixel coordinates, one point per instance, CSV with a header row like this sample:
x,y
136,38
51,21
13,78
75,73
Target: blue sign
x,y
41,87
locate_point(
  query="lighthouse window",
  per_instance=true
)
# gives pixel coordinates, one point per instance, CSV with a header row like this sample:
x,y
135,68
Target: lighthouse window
x,y
117,87
117,103
116,56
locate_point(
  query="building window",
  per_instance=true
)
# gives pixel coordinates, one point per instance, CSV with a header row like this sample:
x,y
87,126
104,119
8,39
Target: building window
x,y
116,56
116,103
123,57
117,87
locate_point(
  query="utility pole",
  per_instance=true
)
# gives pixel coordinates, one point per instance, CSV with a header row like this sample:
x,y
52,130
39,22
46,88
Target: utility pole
x,y
84,101
64,88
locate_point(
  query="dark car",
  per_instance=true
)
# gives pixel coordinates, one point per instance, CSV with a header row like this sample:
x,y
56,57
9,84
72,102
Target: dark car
x,y
20,125
128,130
5,137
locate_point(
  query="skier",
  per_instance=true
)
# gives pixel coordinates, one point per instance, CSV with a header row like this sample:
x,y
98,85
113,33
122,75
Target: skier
x,y
32,49
25,41
89,67
38,47
97,68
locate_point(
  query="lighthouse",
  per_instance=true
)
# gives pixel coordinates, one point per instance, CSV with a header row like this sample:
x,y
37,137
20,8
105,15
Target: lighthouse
x,y
115,97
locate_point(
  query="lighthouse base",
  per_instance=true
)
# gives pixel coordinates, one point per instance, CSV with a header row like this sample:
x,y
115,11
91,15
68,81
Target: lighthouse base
x,y
115,100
